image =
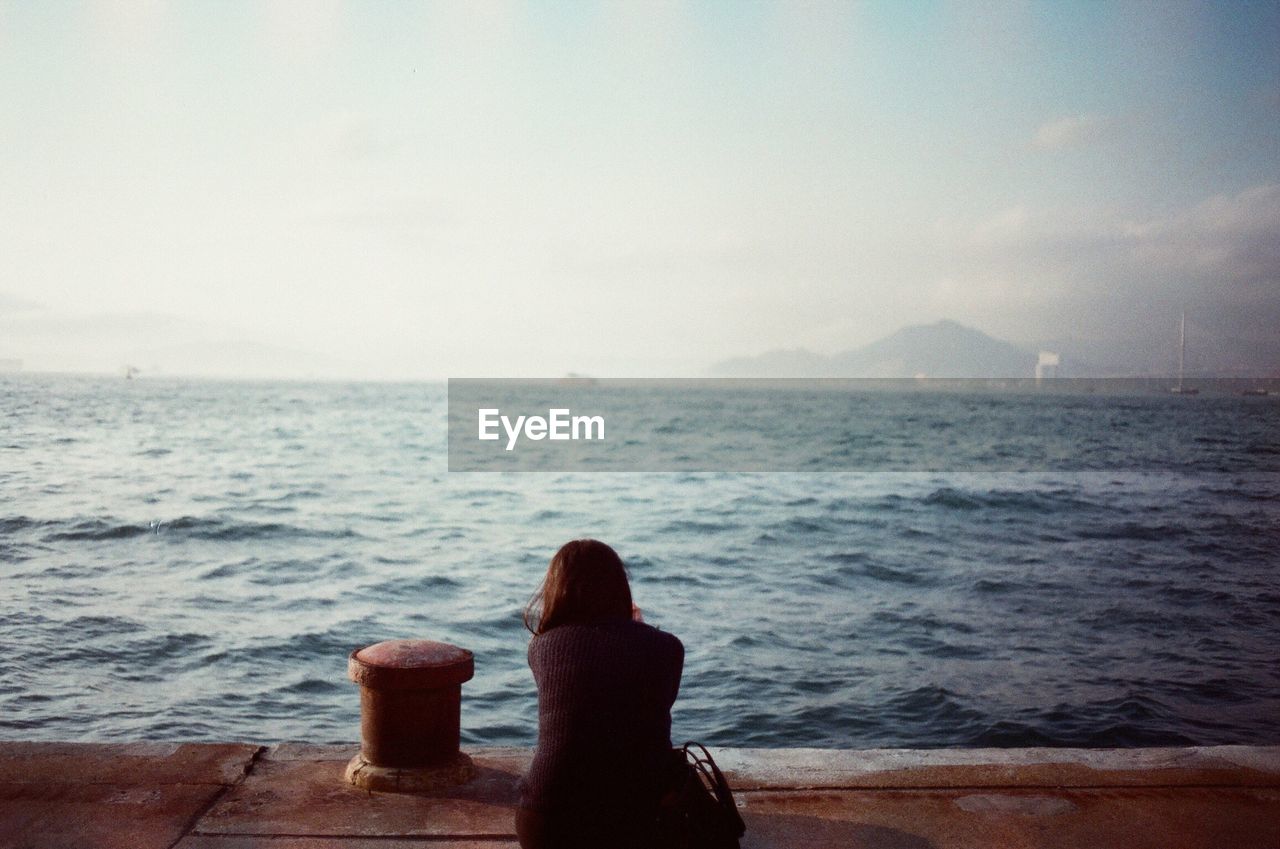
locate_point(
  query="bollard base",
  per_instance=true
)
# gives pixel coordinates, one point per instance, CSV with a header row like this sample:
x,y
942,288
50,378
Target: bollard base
x,y
391,779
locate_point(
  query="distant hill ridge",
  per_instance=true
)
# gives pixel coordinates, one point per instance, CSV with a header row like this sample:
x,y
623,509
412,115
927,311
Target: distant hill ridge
x,y
943,349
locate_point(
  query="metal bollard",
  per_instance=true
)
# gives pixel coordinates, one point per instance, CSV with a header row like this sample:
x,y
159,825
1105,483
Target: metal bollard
x,y
410,706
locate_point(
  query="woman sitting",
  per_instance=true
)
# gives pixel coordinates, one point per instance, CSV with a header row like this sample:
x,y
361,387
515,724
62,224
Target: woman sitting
x,y
606,682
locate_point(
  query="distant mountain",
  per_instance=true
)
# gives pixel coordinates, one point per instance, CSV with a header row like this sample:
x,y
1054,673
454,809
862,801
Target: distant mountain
x,y
156,343
794,362
943,349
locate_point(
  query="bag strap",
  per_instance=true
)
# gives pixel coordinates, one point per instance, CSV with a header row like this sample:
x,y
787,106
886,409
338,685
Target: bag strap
x,y
719,787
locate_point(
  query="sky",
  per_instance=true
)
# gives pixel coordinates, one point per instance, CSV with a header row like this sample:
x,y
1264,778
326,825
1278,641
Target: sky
x,y
389,189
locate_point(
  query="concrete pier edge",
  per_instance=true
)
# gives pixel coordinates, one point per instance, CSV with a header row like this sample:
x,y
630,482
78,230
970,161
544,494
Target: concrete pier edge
x,y
250,796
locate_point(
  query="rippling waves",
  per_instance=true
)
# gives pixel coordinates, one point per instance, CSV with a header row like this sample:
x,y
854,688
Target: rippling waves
x,y
196,560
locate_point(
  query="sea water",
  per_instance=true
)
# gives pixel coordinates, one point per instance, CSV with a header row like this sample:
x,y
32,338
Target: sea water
x,y
196,559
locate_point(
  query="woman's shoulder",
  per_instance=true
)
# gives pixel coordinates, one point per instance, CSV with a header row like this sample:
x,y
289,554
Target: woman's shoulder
x,y
564,637
654,640
657,635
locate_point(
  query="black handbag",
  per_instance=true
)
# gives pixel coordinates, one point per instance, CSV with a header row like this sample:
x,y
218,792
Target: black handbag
x,y
698,811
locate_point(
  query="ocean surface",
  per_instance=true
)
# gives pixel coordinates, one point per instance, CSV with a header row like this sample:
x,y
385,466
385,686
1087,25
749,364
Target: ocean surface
x,y
196,559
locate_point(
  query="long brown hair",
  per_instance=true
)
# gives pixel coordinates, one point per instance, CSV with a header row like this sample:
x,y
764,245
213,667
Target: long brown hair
x,y
586,582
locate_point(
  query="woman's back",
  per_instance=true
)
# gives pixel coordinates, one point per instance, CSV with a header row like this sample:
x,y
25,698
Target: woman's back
x,y
605,691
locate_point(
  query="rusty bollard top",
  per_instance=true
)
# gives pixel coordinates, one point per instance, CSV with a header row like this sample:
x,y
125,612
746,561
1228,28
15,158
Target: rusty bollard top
x,y
410,665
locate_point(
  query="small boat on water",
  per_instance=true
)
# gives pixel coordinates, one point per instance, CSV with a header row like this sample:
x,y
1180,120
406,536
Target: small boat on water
x,y
1255,392
1182,356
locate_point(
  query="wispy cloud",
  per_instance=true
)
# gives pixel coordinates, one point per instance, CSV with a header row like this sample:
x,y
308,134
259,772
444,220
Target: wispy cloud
x,y
1229,240
1223,250
1069,131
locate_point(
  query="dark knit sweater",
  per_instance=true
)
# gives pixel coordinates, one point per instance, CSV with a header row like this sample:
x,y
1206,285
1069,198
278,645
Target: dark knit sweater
x,y
605,692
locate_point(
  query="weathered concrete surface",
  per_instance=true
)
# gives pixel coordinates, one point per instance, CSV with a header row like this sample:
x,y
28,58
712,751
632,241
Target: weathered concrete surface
x,y
1128,818
98,796
293,797
299,790
125,763
1203,766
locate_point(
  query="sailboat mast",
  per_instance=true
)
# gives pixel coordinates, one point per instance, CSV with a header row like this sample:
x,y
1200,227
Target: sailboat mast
x,y
1182,360
1182,347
